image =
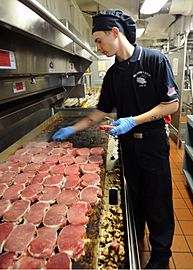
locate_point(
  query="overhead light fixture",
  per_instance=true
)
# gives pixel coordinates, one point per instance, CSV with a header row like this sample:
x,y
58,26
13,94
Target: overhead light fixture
x,y
150,7
139,32
141,26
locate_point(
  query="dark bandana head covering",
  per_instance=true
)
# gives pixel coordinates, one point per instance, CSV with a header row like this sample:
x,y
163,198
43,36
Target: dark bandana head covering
x,y
106,20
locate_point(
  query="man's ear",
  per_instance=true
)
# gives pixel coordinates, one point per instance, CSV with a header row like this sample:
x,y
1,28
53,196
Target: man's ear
x,y
115,30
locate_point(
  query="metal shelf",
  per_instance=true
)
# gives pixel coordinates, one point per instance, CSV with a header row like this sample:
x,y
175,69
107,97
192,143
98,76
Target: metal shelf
x,y
189,179
188,152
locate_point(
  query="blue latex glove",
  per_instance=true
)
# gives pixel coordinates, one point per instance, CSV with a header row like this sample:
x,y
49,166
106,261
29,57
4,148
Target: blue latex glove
x,y
123,125
63,133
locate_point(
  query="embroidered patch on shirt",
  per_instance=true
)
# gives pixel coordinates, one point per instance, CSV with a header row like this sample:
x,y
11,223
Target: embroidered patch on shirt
x,y
171,91
141,78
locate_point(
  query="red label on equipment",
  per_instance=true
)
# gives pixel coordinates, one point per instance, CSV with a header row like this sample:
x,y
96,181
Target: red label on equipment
x,y
5,59
19,86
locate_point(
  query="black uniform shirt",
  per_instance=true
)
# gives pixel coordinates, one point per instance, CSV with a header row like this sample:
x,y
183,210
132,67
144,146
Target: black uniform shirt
x,y
138,84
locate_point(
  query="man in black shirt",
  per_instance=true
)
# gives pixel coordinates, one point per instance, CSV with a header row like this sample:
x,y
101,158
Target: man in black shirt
x,y
141,86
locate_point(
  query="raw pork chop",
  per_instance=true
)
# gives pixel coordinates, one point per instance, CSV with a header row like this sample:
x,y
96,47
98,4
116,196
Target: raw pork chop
x,y
3,187
6,260
32,167
97,159
56,216
90,168
40,158
54,180
5,230
4,167
66,160
58,169
31,192
72,169
97,150
37,212
49,194
90,194
17,211
39,178
4,206
59,261
43,245
8,177
76,214
70,240
28,262
58,151
68,196
17,167
72,151
72,181
83,151
53,159
20,238
81,160
90,179
24,178
13,192
45,167
66,144
35,150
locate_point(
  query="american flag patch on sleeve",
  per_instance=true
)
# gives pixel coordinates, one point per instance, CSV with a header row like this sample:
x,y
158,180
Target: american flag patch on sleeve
x,y
171,91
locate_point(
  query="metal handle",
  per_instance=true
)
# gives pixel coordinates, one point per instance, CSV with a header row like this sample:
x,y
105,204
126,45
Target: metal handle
x,y
51,19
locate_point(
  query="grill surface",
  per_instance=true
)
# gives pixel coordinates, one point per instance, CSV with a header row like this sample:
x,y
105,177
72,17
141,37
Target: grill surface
x,y
106,245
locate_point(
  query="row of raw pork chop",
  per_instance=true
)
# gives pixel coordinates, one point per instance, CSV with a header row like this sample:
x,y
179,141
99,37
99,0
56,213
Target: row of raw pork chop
x,y
47,191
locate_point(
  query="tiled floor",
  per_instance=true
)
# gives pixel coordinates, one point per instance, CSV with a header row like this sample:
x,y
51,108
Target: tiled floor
x,y
182,248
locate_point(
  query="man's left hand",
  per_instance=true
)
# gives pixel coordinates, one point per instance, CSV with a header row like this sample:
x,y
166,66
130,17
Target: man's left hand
x,y
123,125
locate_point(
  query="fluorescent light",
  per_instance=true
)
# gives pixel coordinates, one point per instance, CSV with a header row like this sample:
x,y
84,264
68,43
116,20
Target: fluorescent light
x,y
139,32
152,6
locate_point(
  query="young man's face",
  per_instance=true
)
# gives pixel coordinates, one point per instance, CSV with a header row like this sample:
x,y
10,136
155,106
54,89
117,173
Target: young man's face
x,y
105,42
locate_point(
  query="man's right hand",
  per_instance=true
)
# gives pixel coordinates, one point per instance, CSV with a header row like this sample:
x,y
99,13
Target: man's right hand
x,y
63,134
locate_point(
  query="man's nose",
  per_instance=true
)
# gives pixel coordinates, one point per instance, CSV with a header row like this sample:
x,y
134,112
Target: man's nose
x,y
98,48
